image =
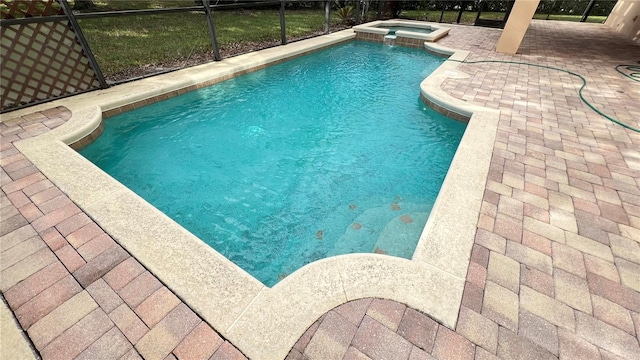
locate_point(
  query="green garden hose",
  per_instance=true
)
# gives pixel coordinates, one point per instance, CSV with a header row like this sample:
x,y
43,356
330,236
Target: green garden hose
x,y
634,75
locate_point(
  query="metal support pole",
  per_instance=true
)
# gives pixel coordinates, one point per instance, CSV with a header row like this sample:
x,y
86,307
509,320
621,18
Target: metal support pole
x,y
283,25
553,4
587,11
358,12
327,13
481,6
83,42
441,12
212,30
462,4
510,5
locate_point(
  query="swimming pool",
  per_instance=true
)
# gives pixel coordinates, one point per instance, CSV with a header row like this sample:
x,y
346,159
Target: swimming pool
x,y
235,303
305,159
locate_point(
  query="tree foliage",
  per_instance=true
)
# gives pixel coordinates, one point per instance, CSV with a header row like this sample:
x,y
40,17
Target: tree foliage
x,y
83,5
555,7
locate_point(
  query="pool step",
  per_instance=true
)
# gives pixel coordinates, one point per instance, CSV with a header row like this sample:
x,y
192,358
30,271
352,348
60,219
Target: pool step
x,y
369,229
400,236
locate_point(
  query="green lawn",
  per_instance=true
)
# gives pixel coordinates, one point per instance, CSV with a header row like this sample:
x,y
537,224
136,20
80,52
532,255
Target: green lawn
x,y
469,17
112,5
591,19
122,43
134,41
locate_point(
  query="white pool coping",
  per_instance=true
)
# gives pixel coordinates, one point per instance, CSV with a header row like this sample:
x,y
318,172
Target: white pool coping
x,y
14,342
380,27
263,322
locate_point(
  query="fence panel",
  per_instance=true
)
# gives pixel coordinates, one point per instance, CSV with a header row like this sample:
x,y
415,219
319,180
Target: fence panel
x,y
42,59
307,19
128,47
247,28
573,10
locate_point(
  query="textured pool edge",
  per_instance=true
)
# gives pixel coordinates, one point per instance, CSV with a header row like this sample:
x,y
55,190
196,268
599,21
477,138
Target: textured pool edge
x,y
444,239
233,302
14,342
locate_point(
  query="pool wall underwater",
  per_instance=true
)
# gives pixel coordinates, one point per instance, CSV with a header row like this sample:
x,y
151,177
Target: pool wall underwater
x,y
238,306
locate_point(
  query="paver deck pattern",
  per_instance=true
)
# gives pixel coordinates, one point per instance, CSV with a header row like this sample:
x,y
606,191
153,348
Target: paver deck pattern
x,y
553,272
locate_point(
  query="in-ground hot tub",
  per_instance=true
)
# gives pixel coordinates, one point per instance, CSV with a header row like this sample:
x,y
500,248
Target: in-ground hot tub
x,y
406,32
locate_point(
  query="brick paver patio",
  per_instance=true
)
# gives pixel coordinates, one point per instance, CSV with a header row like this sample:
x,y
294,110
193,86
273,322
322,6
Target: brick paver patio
x,y
554,272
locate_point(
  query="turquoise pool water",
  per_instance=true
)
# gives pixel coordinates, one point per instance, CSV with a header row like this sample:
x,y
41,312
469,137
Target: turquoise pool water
x,y
326,154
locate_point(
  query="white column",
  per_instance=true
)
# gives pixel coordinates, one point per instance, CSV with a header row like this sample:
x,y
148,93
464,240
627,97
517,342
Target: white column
x,y
517,25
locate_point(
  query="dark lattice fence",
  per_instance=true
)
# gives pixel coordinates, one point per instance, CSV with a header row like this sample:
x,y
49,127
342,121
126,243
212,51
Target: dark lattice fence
x,y
41,60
